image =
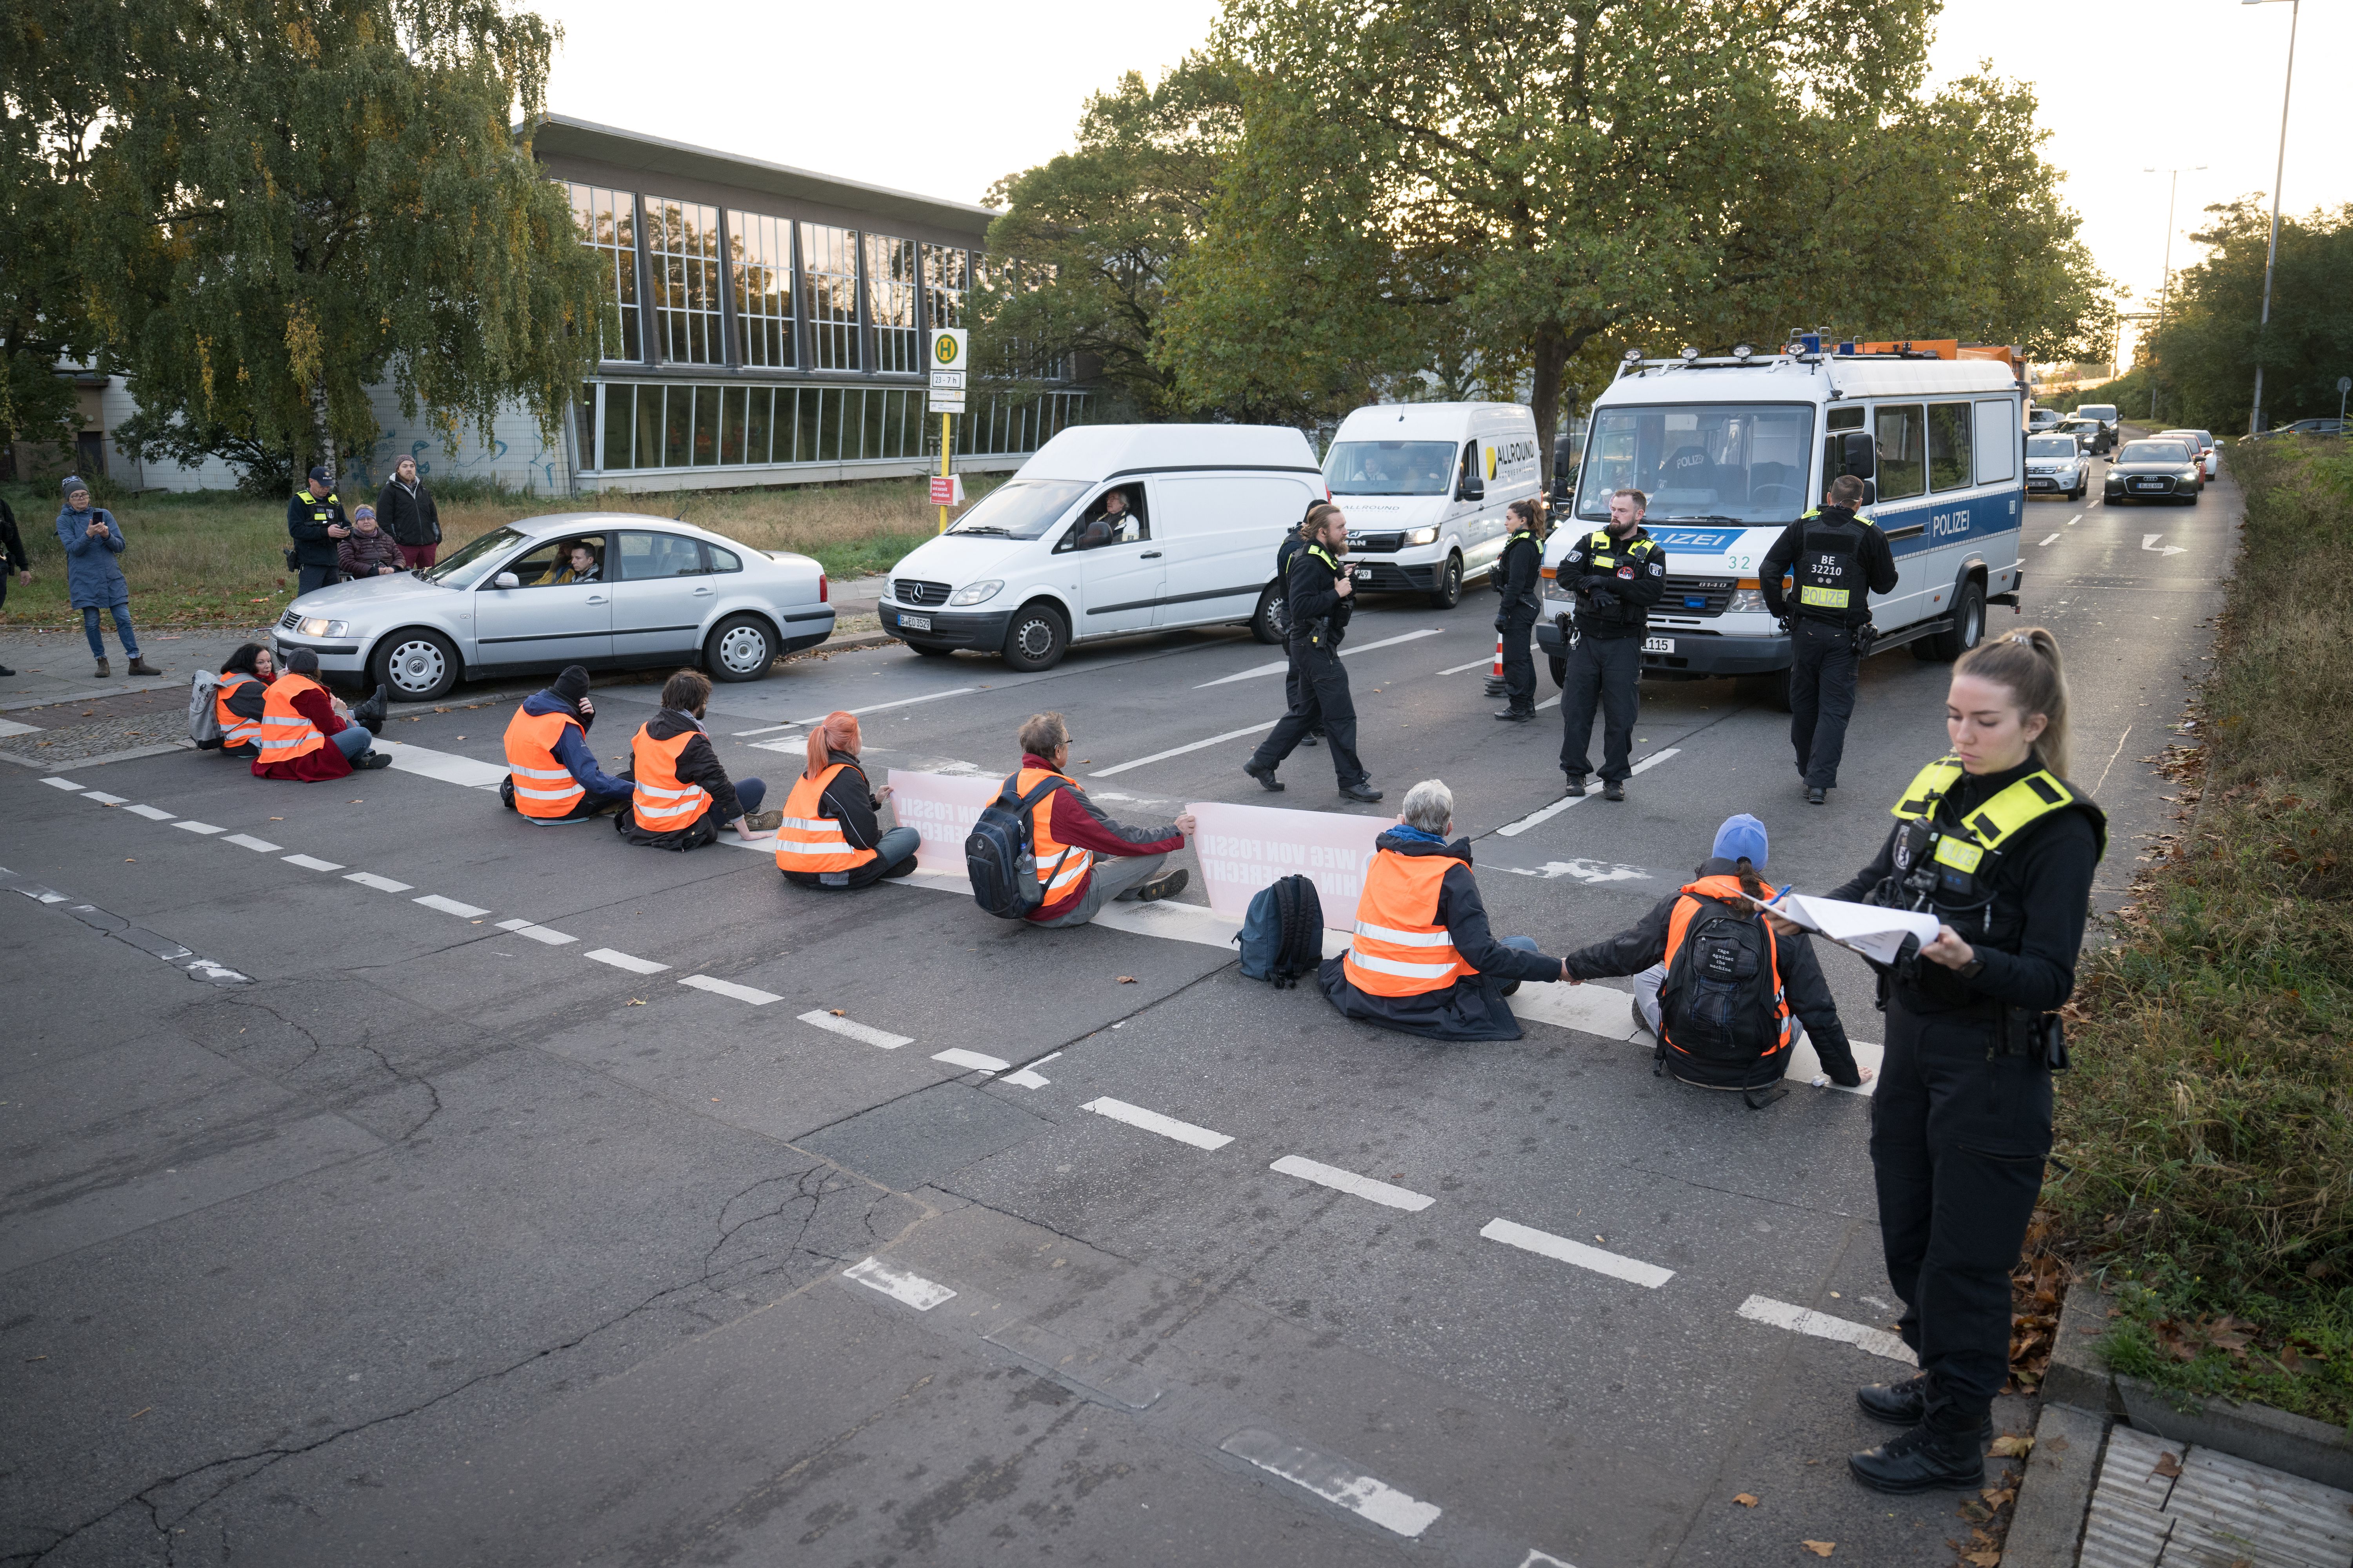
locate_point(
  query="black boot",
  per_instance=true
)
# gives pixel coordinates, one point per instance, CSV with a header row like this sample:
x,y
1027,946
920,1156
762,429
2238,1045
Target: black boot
x,y
1264,776
1920,1459
1905,1404
371,713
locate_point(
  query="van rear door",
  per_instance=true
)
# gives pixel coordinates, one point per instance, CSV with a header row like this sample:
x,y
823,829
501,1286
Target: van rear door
x,y
1220,532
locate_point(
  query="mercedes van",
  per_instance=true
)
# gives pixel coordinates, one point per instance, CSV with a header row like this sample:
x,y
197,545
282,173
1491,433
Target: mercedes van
x,y
1108,531
1426,486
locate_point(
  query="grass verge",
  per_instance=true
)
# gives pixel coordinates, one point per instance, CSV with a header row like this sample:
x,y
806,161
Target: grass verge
x,y
215,557
2207,1129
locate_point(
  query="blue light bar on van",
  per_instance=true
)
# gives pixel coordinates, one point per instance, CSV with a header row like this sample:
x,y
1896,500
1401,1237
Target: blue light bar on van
x,y
1811,343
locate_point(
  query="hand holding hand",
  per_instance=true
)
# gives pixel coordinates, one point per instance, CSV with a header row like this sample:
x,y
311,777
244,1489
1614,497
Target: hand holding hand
x,y
1565,977
1862,1075
1949,949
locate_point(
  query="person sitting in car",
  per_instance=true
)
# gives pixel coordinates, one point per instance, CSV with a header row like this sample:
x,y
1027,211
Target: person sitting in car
x,y
579,565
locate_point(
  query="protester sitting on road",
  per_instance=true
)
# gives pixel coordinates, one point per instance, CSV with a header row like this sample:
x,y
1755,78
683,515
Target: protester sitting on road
x,y
1423,960
309,736
94,580
681,796
369,551
830,836
409,515
238,700
1709,922
1070,836
552,771
579,565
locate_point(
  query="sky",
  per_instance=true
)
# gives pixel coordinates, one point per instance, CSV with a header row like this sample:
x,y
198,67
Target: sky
x,y
984,91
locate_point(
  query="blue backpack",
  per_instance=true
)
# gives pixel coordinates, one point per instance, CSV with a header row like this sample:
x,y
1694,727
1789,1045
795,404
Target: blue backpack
x,y
999,855
1282,935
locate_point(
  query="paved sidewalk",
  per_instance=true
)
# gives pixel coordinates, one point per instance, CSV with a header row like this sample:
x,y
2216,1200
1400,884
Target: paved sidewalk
x,y
56,666
2160,1504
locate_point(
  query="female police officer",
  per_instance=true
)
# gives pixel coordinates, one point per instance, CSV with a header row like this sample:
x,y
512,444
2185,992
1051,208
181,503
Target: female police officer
x,y
1995,841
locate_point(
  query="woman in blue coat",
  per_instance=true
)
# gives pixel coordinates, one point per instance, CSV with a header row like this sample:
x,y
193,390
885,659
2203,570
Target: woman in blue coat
x,y
92,540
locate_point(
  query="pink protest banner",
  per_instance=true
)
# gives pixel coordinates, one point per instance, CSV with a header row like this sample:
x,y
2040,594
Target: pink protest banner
x,y
1244,848
942,807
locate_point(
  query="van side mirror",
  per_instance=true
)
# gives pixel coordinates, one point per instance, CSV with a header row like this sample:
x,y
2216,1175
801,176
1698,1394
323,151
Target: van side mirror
x,y
1472,487
1859,455
506,580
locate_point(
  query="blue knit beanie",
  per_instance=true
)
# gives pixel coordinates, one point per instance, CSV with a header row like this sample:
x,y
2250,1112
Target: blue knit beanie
x,y
1741,835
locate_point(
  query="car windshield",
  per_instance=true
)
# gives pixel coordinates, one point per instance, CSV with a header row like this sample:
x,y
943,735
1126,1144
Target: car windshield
x,y
2105,412
2051,446
1020,508
465,569
1700,462
2154,452
2197,438
1389,468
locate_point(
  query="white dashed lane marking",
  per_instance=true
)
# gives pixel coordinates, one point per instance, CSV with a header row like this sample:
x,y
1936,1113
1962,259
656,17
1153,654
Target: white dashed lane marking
x,y
370,880
449,906
1633,1270
971,1059
856,1031
625,961
1153,1121
203,827
899,1283
1278,668
2051,539
152,813
1545,814
872,708
247,841
536,933
1803,1321
1029,1077
1335,1479
1352,1183
63,784
1180,751
104,799
728,988
311,863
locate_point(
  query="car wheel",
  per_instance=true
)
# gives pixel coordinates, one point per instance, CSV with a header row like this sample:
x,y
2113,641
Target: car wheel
x,y
1037,639
415,665
1272,621
1967,628
740,648
1560,672
931,651
1449,591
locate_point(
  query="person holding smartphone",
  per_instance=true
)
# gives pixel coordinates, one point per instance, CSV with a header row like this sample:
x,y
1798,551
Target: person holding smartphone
x,y
1321,599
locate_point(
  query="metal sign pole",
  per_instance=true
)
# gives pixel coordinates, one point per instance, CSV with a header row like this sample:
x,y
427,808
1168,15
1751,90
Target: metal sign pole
x,y
946,448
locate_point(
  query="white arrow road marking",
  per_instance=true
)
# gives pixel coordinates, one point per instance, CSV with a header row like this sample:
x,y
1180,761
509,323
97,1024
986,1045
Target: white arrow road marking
x,y
2148,541
1583,870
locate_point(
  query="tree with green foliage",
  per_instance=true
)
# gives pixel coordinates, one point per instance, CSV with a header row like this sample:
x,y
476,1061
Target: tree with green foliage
x,y
2205,352
315,197
1094,233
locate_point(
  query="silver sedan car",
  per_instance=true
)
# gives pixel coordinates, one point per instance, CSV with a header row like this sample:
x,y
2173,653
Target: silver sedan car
x,y
603,589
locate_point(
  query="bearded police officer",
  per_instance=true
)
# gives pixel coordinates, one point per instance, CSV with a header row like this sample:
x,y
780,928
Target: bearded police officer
x,y
1320,600
1995,841
1515,578
1835,554
1616,573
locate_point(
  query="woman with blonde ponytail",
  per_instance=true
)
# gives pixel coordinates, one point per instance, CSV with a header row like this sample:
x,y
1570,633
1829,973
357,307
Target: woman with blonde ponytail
x,y
1995,842
832,835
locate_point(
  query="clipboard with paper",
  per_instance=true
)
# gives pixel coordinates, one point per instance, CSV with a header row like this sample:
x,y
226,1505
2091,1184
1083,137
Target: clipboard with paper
x,y
1877,933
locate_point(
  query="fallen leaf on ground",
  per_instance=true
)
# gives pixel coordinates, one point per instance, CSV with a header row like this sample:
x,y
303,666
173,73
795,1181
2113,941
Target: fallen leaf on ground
x,y
1127,980
1745,1499
1981,1559
636,1001
1996,1498
1820,1548
2013,1445
836,1011
2167,1466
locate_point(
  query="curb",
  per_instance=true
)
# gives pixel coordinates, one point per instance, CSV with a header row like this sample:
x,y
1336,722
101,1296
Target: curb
x,y
2054,1488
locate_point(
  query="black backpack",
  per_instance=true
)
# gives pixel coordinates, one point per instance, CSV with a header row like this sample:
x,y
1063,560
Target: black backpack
x,y
1718,1011
999,855
1282,935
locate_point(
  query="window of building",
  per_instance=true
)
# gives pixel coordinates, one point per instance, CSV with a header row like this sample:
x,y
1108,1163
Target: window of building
x,y
609,226
1948,446
946,277
1902,441
682,246
829,264
640,425
891,303
760,254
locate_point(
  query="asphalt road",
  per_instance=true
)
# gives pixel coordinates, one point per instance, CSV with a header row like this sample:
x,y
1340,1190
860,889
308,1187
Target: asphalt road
x,y
343,1227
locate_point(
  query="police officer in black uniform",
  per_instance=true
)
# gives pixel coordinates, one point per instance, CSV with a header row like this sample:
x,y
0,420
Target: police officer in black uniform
x,y
315,520
1616,573
1321,600
1284,554
1835,554
1515,578
1997,843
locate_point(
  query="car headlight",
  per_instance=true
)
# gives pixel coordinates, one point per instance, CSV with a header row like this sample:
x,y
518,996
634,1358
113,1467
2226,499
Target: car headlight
x,y
320,627
1746,602
974,593
1421,536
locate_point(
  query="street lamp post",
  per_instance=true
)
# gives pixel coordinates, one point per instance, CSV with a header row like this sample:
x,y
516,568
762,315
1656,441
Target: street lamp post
x,y
2165,286
2279,173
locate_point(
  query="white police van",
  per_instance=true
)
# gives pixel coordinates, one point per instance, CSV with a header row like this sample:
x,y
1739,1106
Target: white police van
x,y
1731,450
1426,486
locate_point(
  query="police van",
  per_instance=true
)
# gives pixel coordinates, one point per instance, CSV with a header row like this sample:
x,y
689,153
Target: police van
x,y
1427,486
1732,450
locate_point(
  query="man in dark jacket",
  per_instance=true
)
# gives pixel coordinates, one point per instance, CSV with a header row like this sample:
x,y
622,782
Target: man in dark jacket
x,y
1616,573
671,752
315,522
1321,600
1835,554
1422,959
1284,554
1515,578
13,559
405,507
565,698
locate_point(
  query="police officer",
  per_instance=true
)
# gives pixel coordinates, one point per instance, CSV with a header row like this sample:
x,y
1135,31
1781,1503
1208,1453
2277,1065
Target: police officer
x,y
1834,552
1516,579
315,522
1616,573
1996,842
1284,554
1320,601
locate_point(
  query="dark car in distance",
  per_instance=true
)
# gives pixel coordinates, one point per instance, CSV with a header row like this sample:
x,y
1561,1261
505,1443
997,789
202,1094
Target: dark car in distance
x,y
2155,470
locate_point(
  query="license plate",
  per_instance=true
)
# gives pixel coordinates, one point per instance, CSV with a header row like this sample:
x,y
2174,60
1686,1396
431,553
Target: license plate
x,y
2149,484
915,623
1658,645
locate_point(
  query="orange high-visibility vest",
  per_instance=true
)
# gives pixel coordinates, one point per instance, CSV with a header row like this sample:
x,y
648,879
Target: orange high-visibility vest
x,y
544,786
808,842
1686,910
1060,867
1400,950
661,803
235,729
285,733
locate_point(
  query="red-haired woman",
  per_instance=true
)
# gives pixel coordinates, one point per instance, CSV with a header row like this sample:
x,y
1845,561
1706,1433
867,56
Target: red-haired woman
x,y
831,836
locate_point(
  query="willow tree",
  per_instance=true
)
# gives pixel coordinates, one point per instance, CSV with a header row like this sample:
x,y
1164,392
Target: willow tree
x,y
317,197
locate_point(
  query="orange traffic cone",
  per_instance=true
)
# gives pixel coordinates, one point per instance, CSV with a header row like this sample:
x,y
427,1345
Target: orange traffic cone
x,y
1495,672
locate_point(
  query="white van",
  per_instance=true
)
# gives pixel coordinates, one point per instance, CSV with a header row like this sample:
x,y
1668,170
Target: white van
x,y
1731,451
1425,486
1108,531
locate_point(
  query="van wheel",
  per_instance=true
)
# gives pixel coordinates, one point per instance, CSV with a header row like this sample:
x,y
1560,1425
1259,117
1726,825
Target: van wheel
x,y
415,665
1037,639
1969,628
1449,591
1272,621
740,648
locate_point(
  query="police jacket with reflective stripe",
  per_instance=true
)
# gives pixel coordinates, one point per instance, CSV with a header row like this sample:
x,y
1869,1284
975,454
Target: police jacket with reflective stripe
x,y
1835,556
2031,931
1516,572
1313,594
308,518
1632,569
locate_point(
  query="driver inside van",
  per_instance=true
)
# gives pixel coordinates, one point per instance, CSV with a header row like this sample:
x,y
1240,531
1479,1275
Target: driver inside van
x,y
1112,522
